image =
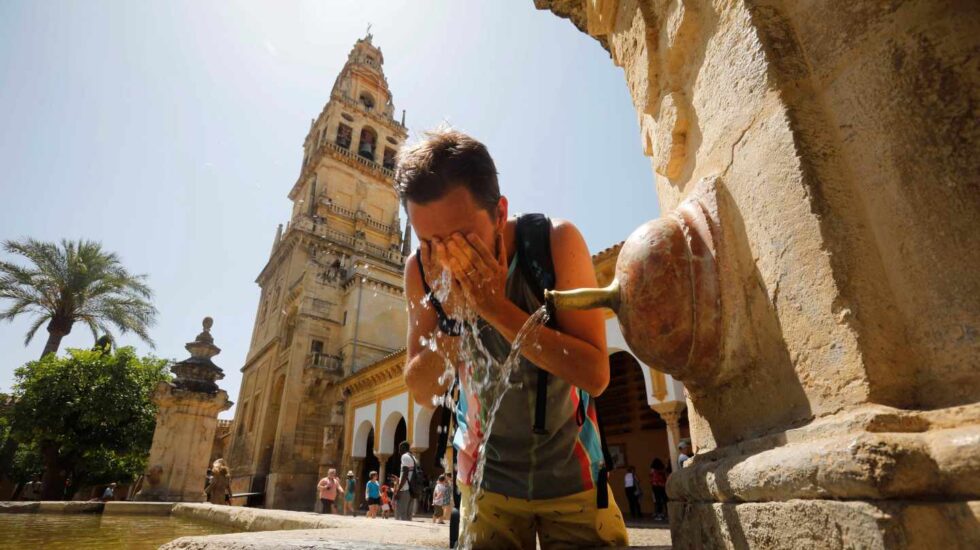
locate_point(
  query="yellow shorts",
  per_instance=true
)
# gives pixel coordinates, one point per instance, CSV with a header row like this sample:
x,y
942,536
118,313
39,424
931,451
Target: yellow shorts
x,y
573,521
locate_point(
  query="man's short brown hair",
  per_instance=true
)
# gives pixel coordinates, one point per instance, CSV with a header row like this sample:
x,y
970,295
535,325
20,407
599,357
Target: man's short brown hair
x,y
444,160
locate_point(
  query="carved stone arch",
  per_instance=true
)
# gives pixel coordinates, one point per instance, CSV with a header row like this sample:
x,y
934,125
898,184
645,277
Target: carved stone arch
x,y
361,435
389,425
423,420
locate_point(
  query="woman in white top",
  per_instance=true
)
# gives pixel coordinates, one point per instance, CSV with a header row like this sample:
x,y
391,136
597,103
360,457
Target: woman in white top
x,y
632,492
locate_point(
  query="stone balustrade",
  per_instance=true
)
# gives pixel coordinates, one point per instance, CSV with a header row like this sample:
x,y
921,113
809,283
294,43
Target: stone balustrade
x,y
331,363
361,216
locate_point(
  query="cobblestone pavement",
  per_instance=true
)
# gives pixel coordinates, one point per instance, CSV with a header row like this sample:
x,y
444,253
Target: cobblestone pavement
x,y
420,532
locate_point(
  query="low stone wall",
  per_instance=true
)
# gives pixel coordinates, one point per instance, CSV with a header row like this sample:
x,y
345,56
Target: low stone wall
x,y
76,507
13,507
121,508
258,519
282,529
69,507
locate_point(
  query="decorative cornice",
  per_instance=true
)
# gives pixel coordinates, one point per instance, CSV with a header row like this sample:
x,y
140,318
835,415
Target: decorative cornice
x,y
377,373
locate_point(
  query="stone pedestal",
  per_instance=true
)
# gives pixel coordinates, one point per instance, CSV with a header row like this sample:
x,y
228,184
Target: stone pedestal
x,y
829,149
187,417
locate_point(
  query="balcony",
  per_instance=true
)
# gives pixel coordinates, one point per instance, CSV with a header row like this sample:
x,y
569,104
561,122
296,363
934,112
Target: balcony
x,y
333,364
384,118
391,255
361,216
349,157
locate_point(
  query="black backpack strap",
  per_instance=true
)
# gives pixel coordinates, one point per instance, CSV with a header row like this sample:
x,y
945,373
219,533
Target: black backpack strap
x,y
445,420
533,236
602,494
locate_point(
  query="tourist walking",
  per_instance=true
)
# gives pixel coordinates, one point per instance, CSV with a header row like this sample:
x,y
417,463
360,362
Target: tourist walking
x,y
632,492
658,486
219,490
349,493
403,495
685,452
328,488
441,501
372,493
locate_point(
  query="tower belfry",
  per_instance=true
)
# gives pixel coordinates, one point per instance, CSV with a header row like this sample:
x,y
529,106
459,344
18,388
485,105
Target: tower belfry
x,y
332,300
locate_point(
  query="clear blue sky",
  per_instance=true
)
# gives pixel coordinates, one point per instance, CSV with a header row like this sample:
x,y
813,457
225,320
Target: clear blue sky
x,y
172,131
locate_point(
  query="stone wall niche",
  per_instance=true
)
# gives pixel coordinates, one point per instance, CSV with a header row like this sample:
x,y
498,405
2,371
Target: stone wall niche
x,y
187,417
841,139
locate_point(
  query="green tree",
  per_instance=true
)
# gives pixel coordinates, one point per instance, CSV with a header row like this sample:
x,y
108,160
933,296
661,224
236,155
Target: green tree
x,y
74,282
87,415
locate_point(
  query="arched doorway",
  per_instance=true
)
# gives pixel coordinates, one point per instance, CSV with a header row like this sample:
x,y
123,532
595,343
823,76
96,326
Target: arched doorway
x,y
369,464
427,437
635,434
394,432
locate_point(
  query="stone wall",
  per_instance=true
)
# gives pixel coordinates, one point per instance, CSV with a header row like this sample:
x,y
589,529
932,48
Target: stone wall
x,y
838,141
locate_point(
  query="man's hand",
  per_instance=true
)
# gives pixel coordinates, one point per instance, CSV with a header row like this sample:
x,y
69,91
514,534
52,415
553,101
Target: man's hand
x,y
481,274
435,260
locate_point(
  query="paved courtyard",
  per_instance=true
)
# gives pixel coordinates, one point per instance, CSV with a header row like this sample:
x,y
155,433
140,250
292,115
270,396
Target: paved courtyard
x,y
346,532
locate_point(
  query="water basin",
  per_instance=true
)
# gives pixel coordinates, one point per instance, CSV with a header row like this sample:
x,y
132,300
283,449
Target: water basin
x,y
136,532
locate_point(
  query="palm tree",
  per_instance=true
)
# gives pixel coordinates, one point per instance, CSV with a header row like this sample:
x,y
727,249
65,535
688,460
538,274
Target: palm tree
x,y
74,282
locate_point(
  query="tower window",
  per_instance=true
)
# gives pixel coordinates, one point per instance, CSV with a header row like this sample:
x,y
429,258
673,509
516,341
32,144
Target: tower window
x,y
389,158
344,136
367,101
316,347
369,138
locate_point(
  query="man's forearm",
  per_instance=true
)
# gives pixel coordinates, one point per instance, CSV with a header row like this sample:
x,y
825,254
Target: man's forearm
x,y
567,357
424,371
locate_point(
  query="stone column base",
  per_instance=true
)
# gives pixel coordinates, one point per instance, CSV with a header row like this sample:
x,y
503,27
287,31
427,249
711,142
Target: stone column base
x,y
826,524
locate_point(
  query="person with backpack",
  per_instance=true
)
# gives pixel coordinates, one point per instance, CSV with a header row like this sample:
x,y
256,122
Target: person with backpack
x,y
546,469
408,483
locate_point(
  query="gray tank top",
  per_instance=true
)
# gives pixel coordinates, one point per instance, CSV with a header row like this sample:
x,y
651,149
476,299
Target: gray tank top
x,y
520,463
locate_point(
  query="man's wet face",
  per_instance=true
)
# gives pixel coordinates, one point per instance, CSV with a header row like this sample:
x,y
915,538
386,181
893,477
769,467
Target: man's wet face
x,y
455,212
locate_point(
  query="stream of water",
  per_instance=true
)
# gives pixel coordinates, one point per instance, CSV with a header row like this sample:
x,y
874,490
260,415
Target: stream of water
x,y
482,375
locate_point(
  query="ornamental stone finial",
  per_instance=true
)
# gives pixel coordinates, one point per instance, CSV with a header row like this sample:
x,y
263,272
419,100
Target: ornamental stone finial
x,y
197,372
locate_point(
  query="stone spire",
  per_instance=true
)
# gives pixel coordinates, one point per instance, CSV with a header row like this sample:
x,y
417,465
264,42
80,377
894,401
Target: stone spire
x,y
197,373
407,240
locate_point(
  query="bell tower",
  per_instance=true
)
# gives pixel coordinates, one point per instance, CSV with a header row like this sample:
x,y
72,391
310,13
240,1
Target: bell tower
x,y
332,300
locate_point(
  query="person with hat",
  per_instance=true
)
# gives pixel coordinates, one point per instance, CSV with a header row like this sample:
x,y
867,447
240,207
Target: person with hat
x,y
685,452
350,493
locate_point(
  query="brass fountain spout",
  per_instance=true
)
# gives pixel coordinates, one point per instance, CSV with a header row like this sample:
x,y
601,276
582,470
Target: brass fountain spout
x,y
585,298
667,291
